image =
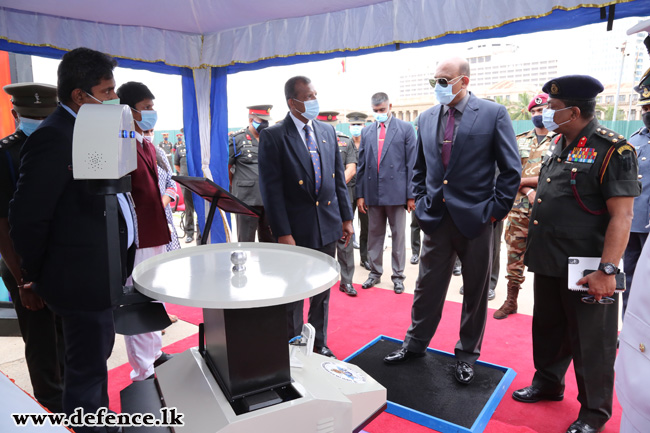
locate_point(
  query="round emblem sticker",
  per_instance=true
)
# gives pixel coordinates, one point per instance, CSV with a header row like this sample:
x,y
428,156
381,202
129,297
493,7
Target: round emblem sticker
x,y
343,372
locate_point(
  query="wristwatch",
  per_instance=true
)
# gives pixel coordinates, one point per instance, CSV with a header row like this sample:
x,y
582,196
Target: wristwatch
x,y
608,268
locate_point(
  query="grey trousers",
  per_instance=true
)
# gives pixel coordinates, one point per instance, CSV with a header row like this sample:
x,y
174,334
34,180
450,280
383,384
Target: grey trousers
x,y
439,251
396,216
248,225
345,257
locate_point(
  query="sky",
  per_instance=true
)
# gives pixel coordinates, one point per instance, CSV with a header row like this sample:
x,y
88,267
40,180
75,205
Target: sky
x,y
576,49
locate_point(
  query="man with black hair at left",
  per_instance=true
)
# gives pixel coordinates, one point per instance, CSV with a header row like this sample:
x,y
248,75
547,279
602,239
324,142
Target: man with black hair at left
x,y
59,230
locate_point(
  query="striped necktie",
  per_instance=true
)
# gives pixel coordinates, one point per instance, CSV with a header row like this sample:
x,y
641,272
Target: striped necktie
x,y
315,158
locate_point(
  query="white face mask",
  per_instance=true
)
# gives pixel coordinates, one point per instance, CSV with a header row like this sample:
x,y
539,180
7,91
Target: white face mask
x,y
548,118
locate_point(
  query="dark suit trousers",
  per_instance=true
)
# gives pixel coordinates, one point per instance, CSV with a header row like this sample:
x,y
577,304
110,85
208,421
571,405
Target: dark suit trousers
x,y
565,328
248,225
43,336
632,252
318,310
437,260
363,236
89,338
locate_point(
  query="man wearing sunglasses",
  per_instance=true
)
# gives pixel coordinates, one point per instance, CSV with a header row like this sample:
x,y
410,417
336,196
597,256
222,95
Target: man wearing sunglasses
x,y
458,197
583,208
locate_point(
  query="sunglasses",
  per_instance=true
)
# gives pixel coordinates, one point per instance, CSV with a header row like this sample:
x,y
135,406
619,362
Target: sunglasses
x,y
605,300
443,82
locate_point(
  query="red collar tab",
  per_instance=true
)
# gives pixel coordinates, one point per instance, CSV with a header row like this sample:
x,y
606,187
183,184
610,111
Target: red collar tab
x,y
582,142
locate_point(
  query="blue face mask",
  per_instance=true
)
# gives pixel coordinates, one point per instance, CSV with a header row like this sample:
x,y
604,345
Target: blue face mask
x,y
548,117
256,125
444,95
108,102
381,117
355,130
537,121
149,119
28,126
311,108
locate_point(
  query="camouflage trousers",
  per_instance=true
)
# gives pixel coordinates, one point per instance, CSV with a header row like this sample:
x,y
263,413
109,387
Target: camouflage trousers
x,y
516,234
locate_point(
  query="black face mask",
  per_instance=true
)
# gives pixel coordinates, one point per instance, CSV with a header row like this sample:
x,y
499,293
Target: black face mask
x,y
537,121
646,119
263,125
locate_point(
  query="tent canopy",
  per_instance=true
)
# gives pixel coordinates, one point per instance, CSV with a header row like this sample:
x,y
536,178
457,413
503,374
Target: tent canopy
x,y
205,40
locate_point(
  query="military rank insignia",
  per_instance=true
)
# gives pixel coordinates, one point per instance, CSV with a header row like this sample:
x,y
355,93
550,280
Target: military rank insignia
x,y
582,154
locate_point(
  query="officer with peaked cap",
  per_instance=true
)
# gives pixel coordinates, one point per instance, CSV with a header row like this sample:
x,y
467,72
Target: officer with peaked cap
x,y
40,328
167,146
587,184
243,173
344,254
639,232
357,122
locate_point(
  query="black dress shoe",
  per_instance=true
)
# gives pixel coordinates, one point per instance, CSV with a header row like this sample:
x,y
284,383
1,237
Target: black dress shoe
x,y
532,394
189,239
399,287
365,264
462,290
348,289
401,355
415,259
582,427
458,270
325,351
464,372
491,294
370,282
162,359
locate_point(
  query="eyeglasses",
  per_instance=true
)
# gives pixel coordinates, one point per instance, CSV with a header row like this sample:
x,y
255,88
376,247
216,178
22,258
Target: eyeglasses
x,y
604,300
443,81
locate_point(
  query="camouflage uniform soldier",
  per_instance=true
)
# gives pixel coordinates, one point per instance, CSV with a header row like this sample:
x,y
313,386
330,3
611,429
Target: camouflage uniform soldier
x,y
533,145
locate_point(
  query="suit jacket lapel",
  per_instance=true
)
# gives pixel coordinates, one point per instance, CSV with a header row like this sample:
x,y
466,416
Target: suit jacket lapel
x,y
325,146
464,129
372,137
297,146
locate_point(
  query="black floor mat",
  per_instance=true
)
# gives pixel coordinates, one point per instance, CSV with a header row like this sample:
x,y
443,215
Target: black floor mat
x,y
428,385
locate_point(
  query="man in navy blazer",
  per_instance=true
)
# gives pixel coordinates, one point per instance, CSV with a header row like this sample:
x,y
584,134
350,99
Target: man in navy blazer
x,y
58,228
303,188
461,143
386,158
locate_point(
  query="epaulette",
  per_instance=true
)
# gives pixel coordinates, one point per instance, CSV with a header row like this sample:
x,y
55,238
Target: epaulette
x,y
239,131
609,135
340,134
9,139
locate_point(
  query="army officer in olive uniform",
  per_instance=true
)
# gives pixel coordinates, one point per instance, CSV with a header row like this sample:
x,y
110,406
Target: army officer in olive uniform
x,y
243,173
348,152
583,208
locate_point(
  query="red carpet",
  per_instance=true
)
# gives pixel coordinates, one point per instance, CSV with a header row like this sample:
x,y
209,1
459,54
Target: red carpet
x,y
354,322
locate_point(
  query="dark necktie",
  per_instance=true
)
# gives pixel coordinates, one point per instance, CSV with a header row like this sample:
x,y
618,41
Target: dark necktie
x,y
380,143
449,137
315,159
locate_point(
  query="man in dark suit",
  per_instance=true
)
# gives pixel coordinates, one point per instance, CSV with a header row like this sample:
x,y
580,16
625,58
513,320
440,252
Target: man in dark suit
x,y
386,158
59,230
302,181
461,142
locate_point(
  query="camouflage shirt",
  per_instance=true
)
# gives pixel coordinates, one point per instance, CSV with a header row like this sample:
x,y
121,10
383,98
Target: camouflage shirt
x,y
531,154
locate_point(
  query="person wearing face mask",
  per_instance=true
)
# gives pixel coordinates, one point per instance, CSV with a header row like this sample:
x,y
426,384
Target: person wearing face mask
x,y
459,198
302,181
639,231
357,121
243,172
39,326
386,158
583,208
344,251
144,351
58,228
533,145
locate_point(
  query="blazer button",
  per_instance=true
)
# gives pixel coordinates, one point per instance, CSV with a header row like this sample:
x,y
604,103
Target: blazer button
x,y
443,200
642,347
539,200
640,176
300,182
643,158
445,182
332,174
316,203
535,222
328,203
548,180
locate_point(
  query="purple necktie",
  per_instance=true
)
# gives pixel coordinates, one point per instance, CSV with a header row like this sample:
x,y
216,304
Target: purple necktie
x,y
315,159
449,137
